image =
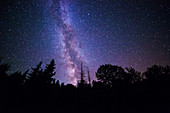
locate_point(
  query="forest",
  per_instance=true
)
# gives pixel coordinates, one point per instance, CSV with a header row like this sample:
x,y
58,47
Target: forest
x,y
115,90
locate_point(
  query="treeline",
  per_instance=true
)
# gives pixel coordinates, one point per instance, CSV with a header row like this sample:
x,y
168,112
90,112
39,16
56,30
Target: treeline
x,y
115,90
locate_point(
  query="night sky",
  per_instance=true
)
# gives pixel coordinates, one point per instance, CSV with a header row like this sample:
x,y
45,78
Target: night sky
x,y
128,33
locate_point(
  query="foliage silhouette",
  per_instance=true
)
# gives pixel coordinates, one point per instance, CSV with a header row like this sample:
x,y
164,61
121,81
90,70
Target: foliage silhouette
x,y
115,90
157,72
82,83
3,71
33,78
48,74
132,75
107,74
17,79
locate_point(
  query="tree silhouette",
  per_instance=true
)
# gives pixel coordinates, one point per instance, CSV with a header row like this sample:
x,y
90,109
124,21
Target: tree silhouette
x,y
62,85
157,76
113,86
98,85
107,74
48,74
17,79
82,83
4,78
132,75
157,73
3,70
89,79
57,84
42,78
33,78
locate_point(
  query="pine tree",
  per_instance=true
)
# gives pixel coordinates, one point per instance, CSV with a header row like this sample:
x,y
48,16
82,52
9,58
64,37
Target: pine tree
x,y
49,73
4,78
33,79
89,76
82,83
82,75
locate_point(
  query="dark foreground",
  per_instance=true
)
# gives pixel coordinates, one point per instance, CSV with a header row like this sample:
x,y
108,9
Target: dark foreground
x,y
71,100
117,90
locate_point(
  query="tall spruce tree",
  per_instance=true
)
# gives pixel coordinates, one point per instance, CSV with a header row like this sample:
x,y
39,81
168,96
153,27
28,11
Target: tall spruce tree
x,y
33,78
82,75
82,83
49,73
89,79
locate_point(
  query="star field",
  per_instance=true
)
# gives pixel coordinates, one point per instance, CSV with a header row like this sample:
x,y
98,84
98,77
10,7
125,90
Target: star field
x,y
119,32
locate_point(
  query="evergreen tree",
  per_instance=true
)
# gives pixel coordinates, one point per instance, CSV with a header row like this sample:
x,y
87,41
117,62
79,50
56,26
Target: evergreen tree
x,y
89,79
17,79
82,83
49,73
33,78
4,79
3,70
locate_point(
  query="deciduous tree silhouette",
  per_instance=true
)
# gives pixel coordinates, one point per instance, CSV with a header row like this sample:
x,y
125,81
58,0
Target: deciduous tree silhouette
x,y
132,75
158,76
157,72
107,74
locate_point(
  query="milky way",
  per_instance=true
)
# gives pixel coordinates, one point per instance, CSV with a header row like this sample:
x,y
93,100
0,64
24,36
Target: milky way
x,y
70,47
128,33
